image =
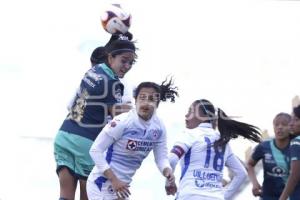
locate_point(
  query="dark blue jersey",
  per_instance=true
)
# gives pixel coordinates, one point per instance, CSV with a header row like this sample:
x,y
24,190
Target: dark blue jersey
x,y
275,166
99,89
295,155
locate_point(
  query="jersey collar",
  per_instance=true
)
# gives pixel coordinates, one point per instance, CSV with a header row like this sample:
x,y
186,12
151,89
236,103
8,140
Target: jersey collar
x,y
205,125
109,71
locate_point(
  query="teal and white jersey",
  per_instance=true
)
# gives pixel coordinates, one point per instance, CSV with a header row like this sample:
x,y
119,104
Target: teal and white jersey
x,y
202,165
295,156
124,143
99,89
275,165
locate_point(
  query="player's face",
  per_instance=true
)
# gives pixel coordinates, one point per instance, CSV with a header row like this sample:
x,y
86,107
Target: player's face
x,y
295,125
146,102
121,63
281,127
192,118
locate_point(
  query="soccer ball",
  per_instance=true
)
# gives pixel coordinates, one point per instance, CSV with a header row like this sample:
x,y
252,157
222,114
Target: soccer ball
x,y
115,20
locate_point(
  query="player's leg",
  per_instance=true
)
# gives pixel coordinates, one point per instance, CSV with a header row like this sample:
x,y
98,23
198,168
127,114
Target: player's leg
x,y
83,163
65,162
67,184
83,194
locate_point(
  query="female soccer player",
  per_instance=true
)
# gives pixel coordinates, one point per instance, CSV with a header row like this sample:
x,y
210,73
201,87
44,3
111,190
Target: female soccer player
x,y
275,156
292,187
100,90
205,152
126,141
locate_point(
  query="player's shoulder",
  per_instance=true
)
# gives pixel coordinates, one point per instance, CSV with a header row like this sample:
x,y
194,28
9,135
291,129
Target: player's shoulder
x,y
106,72
266,143
126,116
118,122
93,77
97,70
296,141
190,136
263,146
297,138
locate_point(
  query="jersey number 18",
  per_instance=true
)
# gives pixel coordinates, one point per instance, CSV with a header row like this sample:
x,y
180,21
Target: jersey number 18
x,y
218,162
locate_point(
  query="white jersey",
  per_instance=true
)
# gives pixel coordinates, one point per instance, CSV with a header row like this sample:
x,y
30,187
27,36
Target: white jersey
x,y
202,164
125,142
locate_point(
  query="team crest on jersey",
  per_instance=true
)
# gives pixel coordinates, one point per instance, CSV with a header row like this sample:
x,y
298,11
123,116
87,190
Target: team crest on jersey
x,y
155,134
113,124
131,145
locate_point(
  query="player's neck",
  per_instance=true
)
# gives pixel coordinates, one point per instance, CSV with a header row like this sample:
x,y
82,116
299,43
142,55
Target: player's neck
x,y
282,143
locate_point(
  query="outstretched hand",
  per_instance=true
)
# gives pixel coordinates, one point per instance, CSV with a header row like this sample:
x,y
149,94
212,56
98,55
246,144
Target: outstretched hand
x,y
170,186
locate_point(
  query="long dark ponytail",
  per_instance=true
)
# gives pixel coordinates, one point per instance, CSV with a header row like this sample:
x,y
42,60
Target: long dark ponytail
x,y
227,127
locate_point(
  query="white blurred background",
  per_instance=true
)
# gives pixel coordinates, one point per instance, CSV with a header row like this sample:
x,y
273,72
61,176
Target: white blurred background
x,y
243,55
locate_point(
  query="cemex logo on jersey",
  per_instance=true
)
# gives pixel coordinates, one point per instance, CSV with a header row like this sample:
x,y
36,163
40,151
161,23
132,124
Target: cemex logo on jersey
x,y
134,145
131,145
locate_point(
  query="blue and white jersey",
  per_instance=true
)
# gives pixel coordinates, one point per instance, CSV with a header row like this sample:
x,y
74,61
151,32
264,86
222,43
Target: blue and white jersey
x,y
201,163
295,155
125,142
275,165
99,89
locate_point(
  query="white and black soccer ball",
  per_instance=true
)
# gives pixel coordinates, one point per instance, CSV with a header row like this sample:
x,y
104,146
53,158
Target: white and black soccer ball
x,y
116,20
